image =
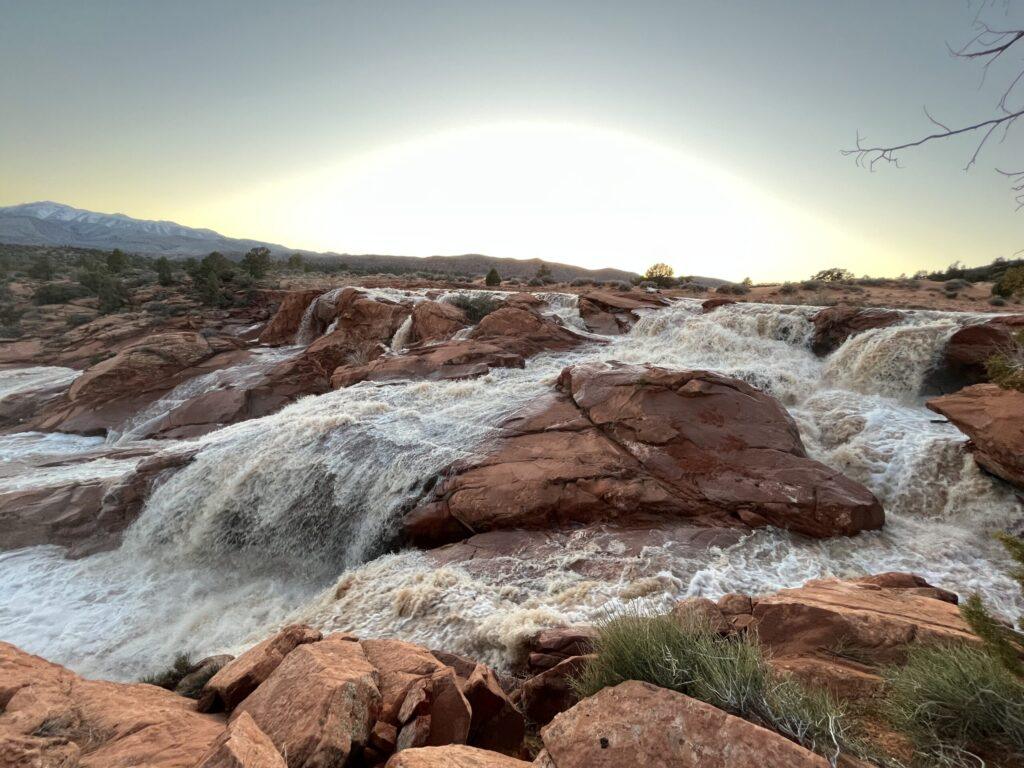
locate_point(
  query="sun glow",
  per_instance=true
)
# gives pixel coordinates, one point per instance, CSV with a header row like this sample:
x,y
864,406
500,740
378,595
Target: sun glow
x,y
568,193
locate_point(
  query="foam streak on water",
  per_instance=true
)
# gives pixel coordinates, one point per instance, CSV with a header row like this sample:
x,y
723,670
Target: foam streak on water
x,y
285,517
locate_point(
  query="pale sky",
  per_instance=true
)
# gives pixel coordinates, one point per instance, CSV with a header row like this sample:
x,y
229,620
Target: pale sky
x,y
705,134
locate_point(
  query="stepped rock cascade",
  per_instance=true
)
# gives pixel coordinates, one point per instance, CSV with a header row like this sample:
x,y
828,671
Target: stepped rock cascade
x,y
295,516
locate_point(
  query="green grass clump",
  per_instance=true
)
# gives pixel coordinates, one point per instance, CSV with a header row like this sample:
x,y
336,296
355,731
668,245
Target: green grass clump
x,y
170,677
953,699
728,673
1006,367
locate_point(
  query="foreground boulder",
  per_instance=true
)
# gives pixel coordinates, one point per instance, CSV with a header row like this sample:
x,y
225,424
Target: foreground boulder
x,y
834,325
453,757
242,745
993,418
52,717
620,442
319,705
640,724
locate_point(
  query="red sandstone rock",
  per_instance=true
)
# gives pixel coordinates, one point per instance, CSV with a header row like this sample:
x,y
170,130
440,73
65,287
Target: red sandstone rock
x,y
285,323
436,321
611,313
319,705
834,325
963,359
710,305
993,418
242,745
236,680
639,724
53,717
622,441
547,694
453,757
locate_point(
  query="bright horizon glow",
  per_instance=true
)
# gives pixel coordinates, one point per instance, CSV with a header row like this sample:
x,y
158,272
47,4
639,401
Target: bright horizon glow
x,y
560,192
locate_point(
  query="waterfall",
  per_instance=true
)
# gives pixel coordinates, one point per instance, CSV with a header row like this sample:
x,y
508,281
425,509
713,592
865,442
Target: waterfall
x,y
292,516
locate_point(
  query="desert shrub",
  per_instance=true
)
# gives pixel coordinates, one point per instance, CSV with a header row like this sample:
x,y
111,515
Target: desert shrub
x,y
873,282
171,676
10,330
42,268
950,699
788,288
618,285
59,293
581,282
476,307
812,285
535,281
1006,367
833,275
734,289
997,301
493,278
1011,283
685,655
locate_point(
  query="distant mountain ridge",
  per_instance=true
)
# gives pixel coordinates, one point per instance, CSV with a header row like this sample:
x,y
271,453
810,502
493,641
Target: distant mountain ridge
x,y
47,223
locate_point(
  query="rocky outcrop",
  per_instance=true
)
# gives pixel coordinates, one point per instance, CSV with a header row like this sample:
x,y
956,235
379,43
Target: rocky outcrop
x,y
237,679
962,362
638,724
503,339
620,442
52,717
834,325
993,418
436,321
285,323
242,745
453,757
610,313
320,703
710,305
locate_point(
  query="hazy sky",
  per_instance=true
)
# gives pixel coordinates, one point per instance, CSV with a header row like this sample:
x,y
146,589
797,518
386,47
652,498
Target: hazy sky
x,y
702,133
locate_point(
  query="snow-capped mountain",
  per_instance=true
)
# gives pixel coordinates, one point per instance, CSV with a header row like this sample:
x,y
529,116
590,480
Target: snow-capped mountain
x,y
49,223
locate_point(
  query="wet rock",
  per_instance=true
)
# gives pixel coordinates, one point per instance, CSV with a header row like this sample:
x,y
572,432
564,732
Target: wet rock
x,y
611,313
993,418
239,678
625,441
963,360
453,757
551,647
285,323
200,673
57,718
242,745
436,321
319,705
712,304
834,325
50,515
503,339
638,724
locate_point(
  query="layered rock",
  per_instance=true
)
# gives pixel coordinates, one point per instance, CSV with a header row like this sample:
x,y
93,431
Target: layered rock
x,y
52,717
834,325
610,313
636,723
242,745
620,442
436,321
453,757
503,339
993,418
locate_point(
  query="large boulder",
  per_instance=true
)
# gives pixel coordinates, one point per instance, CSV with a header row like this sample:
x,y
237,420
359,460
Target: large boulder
x,y
640,724
242,745
545,695
453,757
52,717
285,323
319,705
436,321
834,325
968,349
993,418
239,678
623,442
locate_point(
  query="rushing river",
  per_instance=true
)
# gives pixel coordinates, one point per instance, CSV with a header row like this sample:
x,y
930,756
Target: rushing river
x,y
285,517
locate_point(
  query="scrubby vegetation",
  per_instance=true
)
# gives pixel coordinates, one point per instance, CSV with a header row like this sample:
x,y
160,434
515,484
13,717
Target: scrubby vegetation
x,y
173,675
476,307
954,700
685,655
1006,367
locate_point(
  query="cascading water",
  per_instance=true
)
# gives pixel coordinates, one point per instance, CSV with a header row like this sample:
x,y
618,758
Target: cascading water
x,y
256,530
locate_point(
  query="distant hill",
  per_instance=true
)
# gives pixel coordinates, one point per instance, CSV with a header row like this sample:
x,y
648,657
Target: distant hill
x,y
54,224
